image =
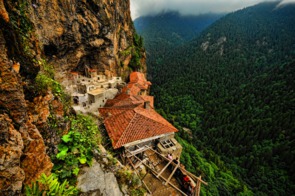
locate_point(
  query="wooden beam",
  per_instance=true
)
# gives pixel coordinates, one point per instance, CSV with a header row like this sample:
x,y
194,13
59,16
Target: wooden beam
x,y
172,173
198,179
135,152
190,174
147,188
198,187
138,164
154,172
123,158
164,168
175,187
157,153
193,176
146,139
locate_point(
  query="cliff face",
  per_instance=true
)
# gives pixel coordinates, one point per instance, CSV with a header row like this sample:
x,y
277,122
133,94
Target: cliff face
x,y
69,34
78,33
22,150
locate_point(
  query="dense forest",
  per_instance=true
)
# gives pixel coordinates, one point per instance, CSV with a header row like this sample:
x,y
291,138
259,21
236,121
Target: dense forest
x,y
230,92
165,31
173,27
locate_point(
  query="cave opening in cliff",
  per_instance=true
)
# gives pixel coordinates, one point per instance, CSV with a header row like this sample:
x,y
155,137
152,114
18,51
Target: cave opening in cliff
x,y
50,50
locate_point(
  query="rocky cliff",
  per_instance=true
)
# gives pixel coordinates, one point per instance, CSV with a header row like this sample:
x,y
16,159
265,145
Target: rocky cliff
x,y
22,150
69,35
78,33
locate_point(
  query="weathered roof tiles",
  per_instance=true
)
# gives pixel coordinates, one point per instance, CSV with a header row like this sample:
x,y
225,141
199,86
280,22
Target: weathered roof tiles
x,y
131,117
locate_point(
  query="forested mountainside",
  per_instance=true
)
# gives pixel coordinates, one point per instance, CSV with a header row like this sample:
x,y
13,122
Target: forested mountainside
x,y
167,30
172,27
231,93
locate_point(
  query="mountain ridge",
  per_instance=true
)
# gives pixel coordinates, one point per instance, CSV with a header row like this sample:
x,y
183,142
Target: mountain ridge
x,y
181,28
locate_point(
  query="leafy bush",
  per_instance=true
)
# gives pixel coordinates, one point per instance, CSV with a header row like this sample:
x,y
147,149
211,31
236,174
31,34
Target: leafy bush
x,y
45,79
138,41
45,83
47,68
136,52
76,147
127,52
135,60
138,192
49,185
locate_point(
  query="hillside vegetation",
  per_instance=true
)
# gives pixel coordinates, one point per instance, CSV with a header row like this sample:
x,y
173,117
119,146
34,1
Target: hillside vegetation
x,y
232,90
172,27
165,31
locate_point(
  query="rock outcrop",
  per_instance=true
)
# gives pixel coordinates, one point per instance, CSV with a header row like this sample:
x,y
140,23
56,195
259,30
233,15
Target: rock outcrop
x,y
23,154
74,34
94,181
69,34
3,12
11,174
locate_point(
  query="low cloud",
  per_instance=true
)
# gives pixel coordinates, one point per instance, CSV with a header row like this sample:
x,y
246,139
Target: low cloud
x,y
286,2
185,7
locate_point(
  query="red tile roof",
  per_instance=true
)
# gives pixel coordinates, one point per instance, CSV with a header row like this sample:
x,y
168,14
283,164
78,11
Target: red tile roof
x,y
124,100
127,120
137,83
127,124
148,98
132,89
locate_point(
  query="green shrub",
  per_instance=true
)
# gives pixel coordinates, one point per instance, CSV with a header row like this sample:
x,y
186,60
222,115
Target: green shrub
x,y
45,83
136,52
49,185
127,52
47,69
138,192
76,147
135,61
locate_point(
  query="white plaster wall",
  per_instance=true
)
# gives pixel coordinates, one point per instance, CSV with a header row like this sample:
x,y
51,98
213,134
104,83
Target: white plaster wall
x,y
111,93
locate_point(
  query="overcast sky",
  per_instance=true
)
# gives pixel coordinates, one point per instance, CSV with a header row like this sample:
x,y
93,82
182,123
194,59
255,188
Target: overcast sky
x,y
145,7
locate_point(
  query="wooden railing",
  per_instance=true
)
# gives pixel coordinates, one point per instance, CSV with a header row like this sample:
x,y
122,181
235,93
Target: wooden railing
x,y
158,175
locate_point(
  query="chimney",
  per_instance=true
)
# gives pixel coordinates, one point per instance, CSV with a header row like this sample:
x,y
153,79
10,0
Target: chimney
x,y
147,105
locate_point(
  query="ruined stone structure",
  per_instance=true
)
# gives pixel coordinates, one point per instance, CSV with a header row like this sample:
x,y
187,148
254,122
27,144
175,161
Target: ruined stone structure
x,y
92,91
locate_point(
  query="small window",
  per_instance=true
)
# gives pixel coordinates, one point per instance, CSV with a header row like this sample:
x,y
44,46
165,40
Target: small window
x,y
167,143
